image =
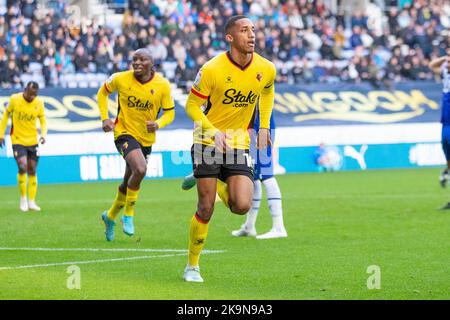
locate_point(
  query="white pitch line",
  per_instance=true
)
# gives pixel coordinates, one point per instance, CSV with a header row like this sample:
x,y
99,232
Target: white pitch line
x,y
104,250
88,201
94,261
89,261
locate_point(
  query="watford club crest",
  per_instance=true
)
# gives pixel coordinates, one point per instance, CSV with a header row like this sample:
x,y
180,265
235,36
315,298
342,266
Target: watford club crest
x,y
259,76
152,91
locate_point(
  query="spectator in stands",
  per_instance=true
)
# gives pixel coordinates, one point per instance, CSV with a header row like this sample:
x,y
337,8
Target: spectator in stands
x,y
24,63
102,61
3,65
121,47
38,51
184,76
13,74
63,62
49,70
355,39
81,60
119,63
158,50
182,29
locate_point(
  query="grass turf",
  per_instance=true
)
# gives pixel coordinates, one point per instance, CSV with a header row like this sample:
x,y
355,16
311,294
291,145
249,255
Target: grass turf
x,y
338,225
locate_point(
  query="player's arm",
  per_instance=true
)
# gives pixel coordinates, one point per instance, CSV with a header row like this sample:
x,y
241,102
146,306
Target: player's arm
x,y
168,106
194,111
435,64
43,123
102,97
266,101
203,84
4,122
163,121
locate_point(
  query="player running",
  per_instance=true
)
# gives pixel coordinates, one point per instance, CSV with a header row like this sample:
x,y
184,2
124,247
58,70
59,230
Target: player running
x,y
230,85
142,93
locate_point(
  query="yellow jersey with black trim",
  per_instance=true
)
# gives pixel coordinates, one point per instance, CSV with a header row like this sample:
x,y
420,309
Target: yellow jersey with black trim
x,y
24,117
138,103
232,93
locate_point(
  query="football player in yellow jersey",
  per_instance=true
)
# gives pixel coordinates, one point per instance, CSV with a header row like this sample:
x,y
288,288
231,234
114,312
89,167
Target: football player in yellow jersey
x,y
228,87
142,93
25,108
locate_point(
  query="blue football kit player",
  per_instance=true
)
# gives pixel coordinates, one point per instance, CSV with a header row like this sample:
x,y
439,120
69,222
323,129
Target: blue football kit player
x,y
264,175
442,66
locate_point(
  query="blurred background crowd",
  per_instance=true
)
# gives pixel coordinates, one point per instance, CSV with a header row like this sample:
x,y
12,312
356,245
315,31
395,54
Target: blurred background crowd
x,y
310,41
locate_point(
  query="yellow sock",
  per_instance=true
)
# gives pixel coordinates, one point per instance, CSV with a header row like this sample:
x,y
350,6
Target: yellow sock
x,y
117,205
32,187
222,191
197,237
132,196
22,181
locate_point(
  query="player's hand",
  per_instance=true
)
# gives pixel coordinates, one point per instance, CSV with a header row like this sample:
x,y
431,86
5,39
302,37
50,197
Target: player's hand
x,y
108,125
220,139
42,140
2,142
152,126
264,139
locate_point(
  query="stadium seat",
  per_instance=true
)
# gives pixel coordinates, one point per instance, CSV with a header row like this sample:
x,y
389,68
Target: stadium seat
x,y
91,79
26,78
35,67
169,68
71,81
101,77
63,80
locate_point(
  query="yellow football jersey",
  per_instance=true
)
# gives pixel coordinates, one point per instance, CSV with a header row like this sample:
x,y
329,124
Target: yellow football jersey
x,y
24,118
232,93
139,103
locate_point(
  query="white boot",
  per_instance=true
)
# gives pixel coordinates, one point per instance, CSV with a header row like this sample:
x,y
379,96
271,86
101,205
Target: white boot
x,y
23,204
274,233
244,232
192,274
33,206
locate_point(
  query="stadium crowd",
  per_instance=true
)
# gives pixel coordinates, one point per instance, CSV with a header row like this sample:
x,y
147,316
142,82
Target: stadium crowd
x,y
308,40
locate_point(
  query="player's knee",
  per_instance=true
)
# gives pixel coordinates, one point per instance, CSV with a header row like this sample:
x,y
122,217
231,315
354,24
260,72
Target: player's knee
x,y
240,207
140,170
31,171
22,168
205,211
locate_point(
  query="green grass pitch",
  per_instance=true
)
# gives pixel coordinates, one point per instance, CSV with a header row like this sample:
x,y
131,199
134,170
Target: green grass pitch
x,y
339,224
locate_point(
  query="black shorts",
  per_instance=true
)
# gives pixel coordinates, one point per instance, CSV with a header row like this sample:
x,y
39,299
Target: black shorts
x,y
31,152
127,143
207,163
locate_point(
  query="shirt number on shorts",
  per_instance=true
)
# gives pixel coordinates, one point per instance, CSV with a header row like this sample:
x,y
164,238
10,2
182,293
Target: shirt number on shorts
x,y
248,160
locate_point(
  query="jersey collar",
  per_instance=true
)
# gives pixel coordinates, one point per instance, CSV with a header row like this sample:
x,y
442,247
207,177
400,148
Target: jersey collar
x,y
243,68
152,77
